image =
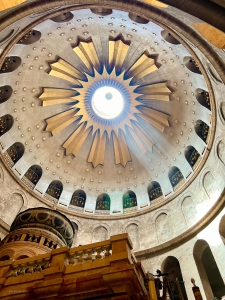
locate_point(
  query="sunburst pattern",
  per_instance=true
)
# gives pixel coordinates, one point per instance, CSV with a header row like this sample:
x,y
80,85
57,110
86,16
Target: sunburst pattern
x,y
80,96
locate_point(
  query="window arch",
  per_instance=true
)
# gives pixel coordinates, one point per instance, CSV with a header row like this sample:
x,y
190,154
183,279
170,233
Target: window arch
x,y
203,98
129,202
171,265
32,176
78,200
101,11
30,37
154,190
222,228
5,93
10,64
55,189
103,204
202,130
14,153
6,123
191,64
169,38
211,278
192,156
175,177
65,17
138,19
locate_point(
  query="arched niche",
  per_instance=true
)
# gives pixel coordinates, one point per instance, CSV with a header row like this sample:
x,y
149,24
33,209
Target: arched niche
x,y
133,231
154,190
175,176
99,234
5,257
65,17
189,210
192,156
6,123
222,229
55,189
209,184
14,153
78,200
11,63
221,151
203,98
171,265
202,130
5,93
129,202
163,228
30,37
209,273
33,175
191,64
101,11
103,203
138,19
167,36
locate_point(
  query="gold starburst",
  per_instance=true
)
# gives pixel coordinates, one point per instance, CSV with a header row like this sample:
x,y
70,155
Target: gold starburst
x,y
80,99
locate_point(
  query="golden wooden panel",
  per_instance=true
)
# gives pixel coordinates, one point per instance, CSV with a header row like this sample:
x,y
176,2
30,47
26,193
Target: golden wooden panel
x,y
144,142
51,96
87,53
121,151
60,121
64,70
5,4
143,66
97,153
76,140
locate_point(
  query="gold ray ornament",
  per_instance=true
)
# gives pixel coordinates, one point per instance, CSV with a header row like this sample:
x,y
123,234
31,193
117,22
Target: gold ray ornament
x,y
81,112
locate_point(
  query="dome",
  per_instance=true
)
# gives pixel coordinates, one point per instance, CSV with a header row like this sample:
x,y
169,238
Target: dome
x,y
114,115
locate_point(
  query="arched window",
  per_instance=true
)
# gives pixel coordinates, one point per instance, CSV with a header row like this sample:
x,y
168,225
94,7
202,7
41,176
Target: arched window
x,y
6,123
169,38
192,156
78,200
103,204
14,153
32,176
129,202
154,190
211,278
54,190
22,257
30,37
171,265
5,93
175,177
10,64
99,234
203,98
101,11
137,19
65,17
202,130
191,64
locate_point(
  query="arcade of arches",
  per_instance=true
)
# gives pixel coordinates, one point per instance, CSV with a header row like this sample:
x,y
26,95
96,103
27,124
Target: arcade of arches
x,y
114,115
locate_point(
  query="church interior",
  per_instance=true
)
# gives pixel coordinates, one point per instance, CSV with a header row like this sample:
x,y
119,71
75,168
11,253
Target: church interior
x,y
112,150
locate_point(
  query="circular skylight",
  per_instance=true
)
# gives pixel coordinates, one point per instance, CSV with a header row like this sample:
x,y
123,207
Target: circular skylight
x,y
107,102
